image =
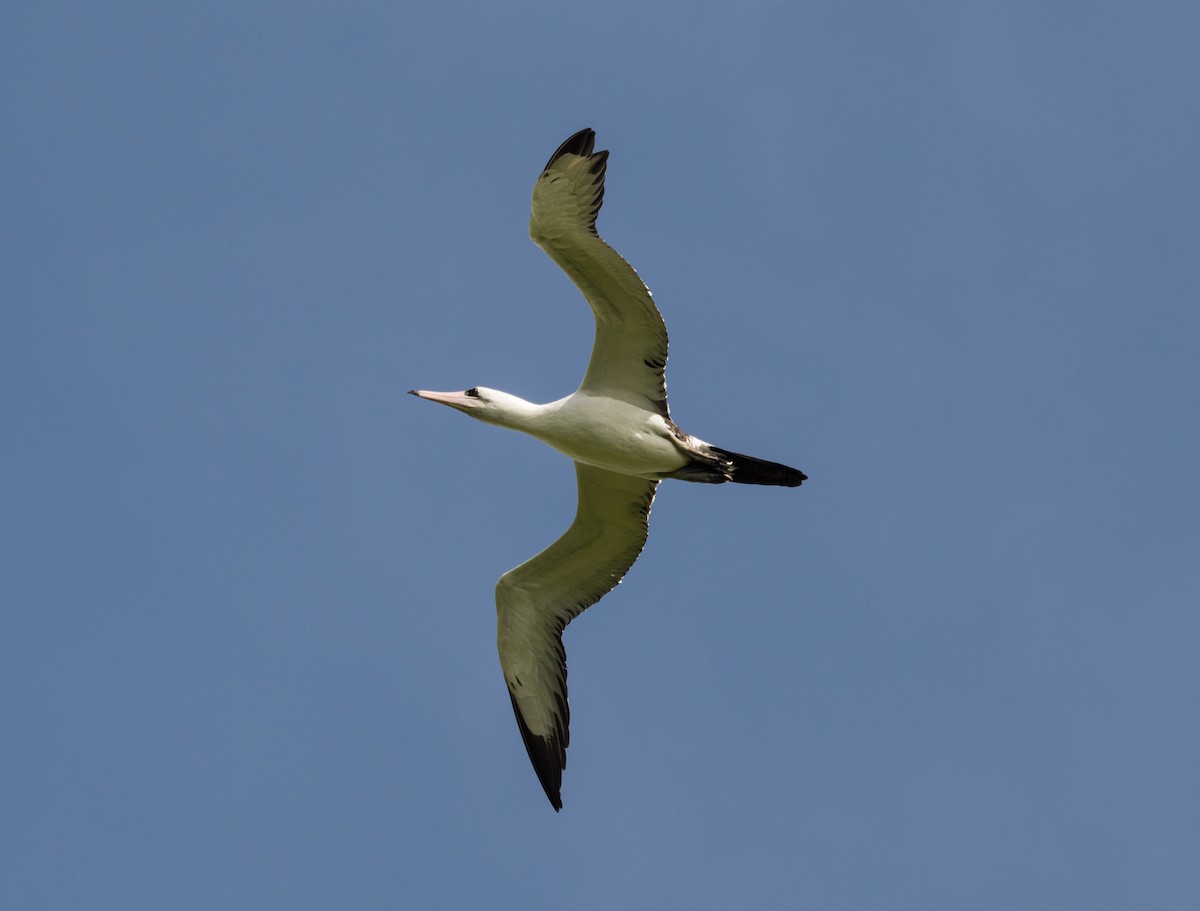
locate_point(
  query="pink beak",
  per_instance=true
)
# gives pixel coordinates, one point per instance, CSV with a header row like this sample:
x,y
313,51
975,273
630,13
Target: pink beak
x,y
459,400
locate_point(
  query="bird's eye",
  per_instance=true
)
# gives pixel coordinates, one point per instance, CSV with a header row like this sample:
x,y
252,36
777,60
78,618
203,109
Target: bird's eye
x,y
472,392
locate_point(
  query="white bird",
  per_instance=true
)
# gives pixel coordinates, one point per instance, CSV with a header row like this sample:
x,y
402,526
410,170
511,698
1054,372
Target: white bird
x,y
617,429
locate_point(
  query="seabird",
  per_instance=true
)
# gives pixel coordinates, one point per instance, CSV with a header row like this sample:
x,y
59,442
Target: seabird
x,y
616,428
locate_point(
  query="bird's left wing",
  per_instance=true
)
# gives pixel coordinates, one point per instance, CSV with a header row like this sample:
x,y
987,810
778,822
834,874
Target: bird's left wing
x,y
630,351
535,601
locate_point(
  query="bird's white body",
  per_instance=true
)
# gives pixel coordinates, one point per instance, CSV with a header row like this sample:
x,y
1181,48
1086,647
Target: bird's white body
x,y
617,429
607,433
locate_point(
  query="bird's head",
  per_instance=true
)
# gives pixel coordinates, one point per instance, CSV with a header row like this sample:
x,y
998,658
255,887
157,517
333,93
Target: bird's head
x,y
489,405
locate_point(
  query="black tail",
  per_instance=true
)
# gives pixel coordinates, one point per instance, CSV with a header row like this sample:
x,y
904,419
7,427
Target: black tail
x,y
749,470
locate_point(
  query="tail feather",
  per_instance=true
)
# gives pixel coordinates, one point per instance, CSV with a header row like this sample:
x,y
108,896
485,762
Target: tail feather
x,y
749,470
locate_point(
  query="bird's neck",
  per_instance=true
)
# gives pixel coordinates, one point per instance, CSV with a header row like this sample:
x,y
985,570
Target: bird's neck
x,y
514,412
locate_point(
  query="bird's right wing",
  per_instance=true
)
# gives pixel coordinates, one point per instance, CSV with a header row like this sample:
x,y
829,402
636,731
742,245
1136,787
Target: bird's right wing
x,y
630,351
535,601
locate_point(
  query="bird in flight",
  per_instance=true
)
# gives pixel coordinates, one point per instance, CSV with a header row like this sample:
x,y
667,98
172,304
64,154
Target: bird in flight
x,y
617,429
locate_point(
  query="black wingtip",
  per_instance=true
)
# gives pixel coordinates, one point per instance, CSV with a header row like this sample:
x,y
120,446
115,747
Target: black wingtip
x,y
548,760
582,143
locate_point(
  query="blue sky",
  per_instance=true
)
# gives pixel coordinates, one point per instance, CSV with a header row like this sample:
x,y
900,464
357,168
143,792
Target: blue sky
x,y
940,256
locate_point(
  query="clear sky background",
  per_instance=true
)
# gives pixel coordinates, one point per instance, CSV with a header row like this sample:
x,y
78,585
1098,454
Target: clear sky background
x,y
941,256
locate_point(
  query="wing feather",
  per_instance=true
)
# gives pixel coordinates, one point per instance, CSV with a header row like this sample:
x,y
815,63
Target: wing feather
x,y
535,602
630,352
